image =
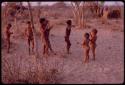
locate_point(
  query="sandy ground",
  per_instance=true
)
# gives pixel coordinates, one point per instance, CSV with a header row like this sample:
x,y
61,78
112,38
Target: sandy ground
x,y
107,68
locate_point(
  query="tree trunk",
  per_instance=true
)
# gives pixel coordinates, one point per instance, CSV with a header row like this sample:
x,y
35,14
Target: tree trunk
x,y
39,12
36,43
34,31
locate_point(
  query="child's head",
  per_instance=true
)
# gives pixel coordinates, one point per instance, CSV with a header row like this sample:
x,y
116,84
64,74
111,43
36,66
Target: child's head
x,y
94,31
69,22
9,26
86,35
42,20
29,23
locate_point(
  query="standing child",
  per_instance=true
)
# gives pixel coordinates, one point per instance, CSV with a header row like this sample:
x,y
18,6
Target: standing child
x,y
86,47
29,34
68,31
8,34
43,24
93,38
47,33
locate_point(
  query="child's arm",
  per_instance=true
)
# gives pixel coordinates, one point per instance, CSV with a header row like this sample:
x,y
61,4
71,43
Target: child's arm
x,y
83,43
51,27
95,38
90,36
25,33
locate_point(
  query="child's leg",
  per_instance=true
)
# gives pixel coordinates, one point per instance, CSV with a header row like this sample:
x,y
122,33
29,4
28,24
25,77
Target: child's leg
x,y
43,49
86,59
68,46
49,44
93,51
85,56
32,45
46,49
29,45
8,45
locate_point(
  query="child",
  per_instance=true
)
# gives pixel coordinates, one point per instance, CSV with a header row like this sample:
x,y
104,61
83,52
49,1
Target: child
x,y
8,34
29,34
43,35
86,47
93,38
47,32
68,31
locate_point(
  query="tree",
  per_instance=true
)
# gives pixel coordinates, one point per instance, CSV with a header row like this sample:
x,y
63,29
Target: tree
x,y
39,11
36,43
34,31
78,12
12,10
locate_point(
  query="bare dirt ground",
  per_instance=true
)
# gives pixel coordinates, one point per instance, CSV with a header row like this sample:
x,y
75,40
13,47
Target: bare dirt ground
x,y
107,68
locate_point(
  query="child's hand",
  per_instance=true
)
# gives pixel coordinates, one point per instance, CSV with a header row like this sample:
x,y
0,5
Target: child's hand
x,y
51,26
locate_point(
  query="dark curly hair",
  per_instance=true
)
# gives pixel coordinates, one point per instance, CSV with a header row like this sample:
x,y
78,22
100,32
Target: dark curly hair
x,y
86,35
41,20
69,22
95,31
28,22
9,25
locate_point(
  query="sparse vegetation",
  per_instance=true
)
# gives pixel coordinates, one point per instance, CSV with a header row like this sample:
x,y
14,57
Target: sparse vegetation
x,y
19,67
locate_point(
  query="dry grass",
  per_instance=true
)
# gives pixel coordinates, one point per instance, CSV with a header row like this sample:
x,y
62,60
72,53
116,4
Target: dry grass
x,y
45,73
19,67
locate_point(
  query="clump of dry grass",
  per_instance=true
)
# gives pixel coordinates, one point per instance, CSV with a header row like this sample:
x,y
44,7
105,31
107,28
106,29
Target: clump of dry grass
x,y
52,72
10,69
37,72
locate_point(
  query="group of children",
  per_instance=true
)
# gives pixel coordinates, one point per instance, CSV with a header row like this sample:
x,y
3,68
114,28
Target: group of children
x,y
88,42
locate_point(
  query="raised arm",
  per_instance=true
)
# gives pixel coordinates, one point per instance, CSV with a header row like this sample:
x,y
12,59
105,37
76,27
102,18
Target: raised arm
x,y
50,27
